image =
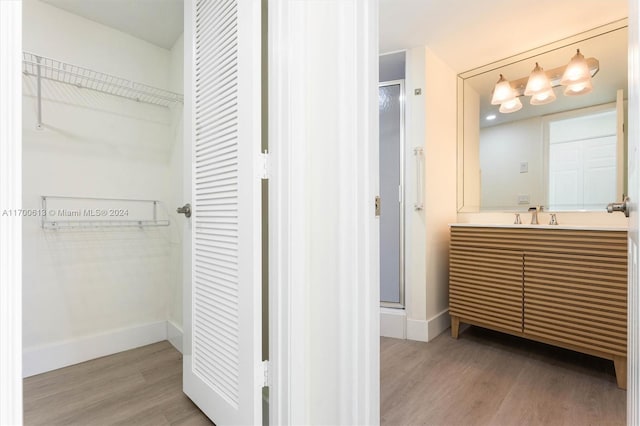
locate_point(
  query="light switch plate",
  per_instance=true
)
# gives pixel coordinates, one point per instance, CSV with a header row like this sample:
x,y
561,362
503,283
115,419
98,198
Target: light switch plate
x,y
524,167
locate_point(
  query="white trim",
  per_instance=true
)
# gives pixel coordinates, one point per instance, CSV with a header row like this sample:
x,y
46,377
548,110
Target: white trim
x,y
309,140
438,324
415,228
417,330
287,339
10,199
633,316
393,323
393,52
61,354
188,137
427,330
174,335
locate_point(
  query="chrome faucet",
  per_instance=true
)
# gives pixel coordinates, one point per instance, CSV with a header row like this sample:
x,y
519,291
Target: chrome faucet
x,y
553,220
534,215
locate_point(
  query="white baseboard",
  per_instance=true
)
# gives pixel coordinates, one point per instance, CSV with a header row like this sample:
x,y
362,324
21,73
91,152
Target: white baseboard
x,y
438,324
393,323
417,330
57,355
427,330
174,335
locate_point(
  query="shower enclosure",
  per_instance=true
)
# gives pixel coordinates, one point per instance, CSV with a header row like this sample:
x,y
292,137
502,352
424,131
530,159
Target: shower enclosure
x,y
391,106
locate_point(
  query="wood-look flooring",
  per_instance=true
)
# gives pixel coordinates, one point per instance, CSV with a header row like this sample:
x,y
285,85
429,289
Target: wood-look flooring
x,y
483,378
489,378
142,386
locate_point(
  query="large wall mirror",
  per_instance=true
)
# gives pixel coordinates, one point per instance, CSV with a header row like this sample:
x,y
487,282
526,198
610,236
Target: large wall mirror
x,y
565,155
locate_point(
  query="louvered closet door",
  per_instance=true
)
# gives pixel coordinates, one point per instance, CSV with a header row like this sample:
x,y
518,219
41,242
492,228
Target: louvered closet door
x,y
223,327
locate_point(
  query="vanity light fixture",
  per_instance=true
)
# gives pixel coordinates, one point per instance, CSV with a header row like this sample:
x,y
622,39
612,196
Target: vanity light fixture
x,y
502,92
576,77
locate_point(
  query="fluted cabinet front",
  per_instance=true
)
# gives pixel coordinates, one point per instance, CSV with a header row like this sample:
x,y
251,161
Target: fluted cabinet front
x,y
485,285
565,287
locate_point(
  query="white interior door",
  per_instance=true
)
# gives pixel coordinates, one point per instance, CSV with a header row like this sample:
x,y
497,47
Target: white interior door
x,y
222,318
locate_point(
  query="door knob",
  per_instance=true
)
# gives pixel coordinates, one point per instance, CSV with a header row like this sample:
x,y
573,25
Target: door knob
x,y
619,207
186,210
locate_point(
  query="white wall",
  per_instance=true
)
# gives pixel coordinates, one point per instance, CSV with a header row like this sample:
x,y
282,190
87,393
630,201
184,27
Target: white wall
x,y
431,123
502,149
440,199
175,184
81,283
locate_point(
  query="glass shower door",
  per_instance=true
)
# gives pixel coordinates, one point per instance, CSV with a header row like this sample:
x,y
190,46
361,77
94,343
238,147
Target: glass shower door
x,y
391,106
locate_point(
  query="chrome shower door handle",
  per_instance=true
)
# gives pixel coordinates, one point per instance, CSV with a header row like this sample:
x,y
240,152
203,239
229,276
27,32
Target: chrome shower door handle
x,y
619,207
186,210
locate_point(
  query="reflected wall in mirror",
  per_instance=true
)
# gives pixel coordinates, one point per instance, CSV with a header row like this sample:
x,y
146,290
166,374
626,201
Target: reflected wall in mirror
x,y
567,155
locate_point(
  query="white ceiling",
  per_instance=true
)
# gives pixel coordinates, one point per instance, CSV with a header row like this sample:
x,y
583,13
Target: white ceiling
x,y
157,21
463,33
469,33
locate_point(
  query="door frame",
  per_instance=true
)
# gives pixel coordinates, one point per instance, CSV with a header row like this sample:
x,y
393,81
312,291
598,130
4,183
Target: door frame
x,y
633,312
10,202
299,390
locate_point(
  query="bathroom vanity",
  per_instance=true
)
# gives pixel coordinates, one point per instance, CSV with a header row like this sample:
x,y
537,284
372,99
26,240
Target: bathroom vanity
x,y
560,285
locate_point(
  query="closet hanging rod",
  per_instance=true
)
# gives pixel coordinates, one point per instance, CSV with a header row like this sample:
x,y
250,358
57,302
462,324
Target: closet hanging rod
x,y
133,200
42,67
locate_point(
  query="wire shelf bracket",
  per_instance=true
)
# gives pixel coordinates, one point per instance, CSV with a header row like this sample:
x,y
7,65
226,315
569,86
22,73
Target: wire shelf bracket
x,y
45,68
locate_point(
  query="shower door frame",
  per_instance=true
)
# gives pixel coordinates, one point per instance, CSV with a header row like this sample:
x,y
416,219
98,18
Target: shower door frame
x,y
401,204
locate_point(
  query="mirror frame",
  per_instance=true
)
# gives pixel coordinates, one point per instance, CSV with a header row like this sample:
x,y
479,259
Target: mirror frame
x,y
461,205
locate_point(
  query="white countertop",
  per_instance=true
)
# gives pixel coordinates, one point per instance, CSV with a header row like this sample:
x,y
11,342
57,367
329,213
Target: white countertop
x,y
526,225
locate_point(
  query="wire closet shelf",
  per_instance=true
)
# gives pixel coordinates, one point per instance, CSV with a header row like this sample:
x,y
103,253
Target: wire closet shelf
x,y
98,213
42,67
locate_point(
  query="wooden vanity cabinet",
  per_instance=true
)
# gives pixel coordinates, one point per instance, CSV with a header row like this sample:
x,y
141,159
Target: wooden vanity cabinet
x,y
566,287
